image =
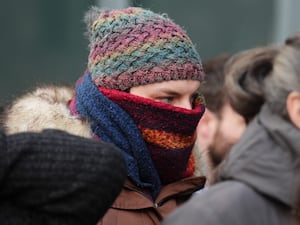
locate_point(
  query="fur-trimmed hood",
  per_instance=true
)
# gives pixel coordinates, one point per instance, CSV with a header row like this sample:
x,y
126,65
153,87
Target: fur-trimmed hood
x,y
47,107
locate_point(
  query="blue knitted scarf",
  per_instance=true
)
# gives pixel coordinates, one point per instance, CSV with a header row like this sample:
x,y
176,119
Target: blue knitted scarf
x,y
113,125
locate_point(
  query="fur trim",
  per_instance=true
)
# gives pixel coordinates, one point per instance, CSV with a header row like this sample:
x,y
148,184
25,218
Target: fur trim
x,y
44,108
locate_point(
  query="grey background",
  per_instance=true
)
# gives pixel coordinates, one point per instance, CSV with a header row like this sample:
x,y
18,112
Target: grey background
x,y
42,41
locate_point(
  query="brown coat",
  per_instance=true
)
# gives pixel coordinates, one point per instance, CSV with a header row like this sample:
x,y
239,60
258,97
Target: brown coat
x,y
134,207
47,107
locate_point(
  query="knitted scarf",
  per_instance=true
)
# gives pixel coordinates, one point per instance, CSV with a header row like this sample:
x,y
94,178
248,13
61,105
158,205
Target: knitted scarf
x,y
169,132
155,138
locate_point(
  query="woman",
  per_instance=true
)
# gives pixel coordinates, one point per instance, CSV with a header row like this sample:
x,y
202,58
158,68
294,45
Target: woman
x,y
258,182
139,93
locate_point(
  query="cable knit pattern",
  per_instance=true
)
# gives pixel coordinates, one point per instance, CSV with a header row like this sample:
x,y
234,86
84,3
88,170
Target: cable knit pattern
x,y
54,178
133,46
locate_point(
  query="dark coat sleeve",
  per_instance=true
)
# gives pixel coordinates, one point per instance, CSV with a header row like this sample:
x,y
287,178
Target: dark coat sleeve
x,y
56,178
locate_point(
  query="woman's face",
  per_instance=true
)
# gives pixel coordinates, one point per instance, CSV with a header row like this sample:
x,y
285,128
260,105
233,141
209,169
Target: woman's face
x,y
179,93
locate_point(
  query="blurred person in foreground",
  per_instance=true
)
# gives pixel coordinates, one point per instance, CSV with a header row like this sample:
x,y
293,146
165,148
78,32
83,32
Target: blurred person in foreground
x,y
54,178
139,93
258,181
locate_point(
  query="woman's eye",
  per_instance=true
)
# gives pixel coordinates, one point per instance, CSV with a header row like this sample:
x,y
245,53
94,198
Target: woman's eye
x,y
166,99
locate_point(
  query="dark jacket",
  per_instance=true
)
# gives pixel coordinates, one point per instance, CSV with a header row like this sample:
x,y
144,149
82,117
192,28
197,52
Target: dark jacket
x,y
258,182
54,178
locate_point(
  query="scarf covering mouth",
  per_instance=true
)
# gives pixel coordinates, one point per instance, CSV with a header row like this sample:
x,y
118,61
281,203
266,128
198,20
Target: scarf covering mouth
x,y
169,132
155,138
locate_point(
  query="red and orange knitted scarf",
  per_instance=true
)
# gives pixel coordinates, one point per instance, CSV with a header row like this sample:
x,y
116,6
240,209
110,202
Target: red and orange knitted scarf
x,y
169,132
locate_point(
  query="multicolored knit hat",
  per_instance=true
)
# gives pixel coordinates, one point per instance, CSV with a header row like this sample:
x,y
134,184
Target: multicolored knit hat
x,y
133,46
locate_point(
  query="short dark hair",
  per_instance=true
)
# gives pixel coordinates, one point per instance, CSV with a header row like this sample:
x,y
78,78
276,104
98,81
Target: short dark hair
x,y
213,86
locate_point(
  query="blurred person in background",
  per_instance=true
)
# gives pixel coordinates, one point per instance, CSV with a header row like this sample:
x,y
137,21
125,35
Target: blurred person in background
x,y
140,93
55,178
220,126
258,181
230,103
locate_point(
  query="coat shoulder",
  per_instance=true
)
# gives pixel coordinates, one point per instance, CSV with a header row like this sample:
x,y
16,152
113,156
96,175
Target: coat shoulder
x,y
44,108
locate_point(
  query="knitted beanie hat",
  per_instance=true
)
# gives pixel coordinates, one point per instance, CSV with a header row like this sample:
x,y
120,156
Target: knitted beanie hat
x,y
54,178
133,46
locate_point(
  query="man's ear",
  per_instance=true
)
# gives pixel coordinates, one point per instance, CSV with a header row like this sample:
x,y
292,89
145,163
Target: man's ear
x,y
293,107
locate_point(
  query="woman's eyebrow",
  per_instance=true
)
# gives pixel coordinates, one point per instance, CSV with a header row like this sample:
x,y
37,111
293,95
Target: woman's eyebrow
x,y
173,92
169,92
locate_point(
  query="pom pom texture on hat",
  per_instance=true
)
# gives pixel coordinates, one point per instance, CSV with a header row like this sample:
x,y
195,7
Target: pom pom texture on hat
x,y
133,46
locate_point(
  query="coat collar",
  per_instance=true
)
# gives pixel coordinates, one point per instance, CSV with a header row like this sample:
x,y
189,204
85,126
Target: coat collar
x,y
132,197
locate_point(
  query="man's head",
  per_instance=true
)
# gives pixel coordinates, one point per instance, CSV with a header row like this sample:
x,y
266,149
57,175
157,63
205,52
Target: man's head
x,y
234,95
215,132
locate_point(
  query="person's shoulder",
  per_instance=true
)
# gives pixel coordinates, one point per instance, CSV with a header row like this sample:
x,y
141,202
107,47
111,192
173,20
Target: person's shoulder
x,y
223,203
224,195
